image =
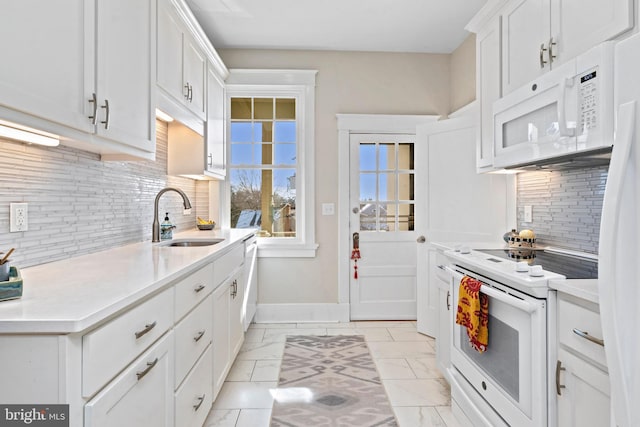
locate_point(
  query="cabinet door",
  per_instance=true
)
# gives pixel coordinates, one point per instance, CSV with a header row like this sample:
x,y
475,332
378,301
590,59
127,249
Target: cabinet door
x,y
169,50
445,328
584,401
50,48
488,89
141,396
216,152
125,72
236,326
578,26
220,338
525,28
194,75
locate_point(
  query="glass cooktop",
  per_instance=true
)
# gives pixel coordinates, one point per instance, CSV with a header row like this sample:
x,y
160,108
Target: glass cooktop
x,y
569,266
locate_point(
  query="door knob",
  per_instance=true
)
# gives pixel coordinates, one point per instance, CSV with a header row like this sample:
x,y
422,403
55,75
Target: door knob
x,y
355,210
421,239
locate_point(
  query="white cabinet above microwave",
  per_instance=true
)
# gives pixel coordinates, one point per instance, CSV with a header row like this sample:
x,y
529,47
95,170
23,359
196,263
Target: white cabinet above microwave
x,y
565,112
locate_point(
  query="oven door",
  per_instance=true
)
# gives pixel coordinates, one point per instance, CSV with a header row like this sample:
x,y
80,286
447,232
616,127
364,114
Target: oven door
x,y
511,375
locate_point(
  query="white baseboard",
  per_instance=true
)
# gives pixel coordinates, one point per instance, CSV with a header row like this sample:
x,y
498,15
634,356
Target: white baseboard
x,y
300,313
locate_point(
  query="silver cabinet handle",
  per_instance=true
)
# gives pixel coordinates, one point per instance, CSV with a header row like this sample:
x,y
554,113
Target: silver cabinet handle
x,y
186,91
448,303
558,385
210,161
149,367
146,329
199,288
199,336
105,122
190,93
542,51
94,114
200,400
551,55
586,336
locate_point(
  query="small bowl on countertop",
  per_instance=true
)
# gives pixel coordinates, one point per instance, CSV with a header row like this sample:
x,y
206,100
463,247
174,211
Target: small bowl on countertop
x,y
206,226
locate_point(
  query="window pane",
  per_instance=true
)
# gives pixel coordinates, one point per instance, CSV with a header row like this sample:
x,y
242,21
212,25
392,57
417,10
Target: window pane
x,y
241,132
405,156
241,154
406,218
367,187
368,215
406,186
285,154
387,186
367,157
266,153
284,203
245,197
286,109
388,217
240,108
263,108
387,156
285,132
263,132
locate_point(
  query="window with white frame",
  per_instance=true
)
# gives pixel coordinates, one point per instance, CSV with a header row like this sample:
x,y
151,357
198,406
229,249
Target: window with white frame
x,y
270,165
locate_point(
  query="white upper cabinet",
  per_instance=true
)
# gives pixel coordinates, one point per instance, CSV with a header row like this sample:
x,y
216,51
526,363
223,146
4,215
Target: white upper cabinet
x,y
46,71
214,134
125,58
539,34
81,65
181,62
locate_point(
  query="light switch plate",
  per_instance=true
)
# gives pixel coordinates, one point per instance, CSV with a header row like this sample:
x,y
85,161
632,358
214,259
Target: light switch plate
x,y
528,214
18,217
328,209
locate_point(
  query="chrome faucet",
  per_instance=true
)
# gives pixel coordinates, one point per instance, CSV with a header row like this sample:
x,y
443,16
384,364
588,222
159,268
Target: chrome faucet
x,y
156,223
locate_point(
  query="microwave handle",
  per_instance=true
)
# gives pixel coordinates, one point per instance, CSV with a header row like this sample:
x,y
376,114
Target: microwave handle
x,y
562,109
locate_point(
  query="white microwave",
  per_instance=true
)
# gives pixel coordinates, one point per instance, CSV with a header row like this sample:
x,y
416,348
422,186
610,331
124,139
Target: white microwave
x,y
565,112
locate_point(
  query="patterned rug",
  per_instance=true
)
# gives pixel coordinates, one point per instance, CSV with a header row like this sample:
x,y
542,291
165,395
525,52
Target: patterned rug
x,y
329,381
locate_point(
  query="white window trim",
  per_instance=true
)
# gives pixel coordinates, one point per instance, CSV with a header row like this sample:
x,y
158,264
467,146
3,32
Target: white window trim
x,y
299,83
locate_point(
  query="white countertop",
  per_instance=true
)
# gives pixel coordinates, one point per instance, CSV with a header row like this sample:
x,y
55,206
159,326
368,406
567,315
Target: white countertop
x,y
445,246
586,289
75,294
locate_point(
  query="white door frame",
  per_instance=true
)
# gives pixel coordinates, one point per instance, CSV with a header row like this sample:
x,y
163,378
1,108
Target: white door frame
x,y
361,123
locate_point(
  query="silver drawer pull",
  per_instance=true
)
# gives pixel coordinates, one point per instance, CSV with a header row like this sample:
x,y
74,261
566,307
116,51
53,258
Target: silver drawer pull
x,y
146,329
558,385
199,336
199,404
586,336
149,367
199,288
448,303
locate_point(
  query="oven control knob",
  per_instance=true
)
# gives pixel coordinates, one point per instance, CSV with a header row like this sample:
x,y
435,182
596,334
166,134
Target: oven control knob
x,y
465,250
536,271
522,267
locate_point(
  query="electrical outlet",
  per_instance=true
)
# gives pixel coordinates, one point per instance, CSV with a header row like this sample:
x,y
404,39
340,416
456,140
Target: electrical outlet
x,y
528,214
328,209
19,218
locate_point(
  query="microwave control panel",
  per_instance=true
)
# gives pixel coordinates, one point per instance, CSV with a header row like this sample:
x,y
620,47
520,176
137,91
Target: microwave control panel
x,y
588,101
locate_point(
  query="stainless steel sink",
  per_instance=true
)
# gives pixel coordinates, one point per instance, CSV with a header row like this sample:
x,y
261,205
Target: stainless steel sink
x,y
191,243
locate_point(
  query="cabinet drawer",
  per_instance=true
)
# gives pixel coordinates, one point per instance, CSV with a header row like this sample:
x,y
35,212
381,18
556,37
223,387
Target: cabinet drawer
x,y
441,260
194,398
110,348
224,266
193,289
193,335
141,396
573,316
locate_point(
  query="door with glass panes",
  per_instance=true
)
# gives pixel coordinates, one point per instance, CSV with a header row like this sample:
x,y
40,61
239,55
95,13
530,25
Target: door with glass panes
x,y
385,219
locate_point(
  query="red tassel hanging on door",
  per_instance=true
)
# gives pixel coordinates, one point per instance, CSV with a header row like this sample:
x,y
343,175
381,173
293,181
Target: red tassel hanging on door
x,y
355,254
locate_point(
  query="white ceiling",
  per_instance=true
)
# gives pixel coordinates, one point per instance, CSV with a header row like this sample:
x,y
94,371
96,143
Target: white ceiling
x,y
434,26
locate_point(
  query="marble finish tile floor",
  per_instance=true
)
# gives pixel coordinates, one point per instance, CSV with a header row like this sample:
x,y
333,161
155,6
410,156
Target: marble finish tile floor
x,y
405,360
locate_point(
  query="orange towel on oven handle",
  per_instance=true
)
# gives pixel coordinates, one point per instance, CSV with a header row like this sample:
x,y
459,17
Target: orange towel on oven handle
x,y
473,313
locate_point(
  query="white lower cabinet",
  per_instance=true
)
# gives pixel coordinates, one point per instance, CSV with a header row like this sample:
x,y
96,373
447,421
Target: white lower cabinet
x,y
194,397
582,381
140,396
445,327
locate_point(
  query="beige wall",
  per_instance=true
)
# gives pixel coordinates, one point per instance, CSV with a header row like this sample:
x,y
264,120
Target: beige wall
x,y
347,82
463,73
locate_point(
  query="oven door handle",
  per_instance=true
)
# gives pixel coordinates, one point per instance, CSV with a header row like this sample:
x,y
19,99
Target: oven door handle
x,y
509,300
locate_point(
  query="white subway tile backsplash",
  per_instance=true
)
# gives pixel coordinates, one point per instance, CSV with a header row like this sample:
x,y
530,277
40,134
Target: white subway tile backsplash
x,y
567,206
79,204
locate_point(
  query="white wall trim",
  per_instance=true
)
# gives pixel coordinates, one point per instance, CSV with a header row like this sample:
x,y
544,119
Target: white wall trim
x,y
352,124
301,313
